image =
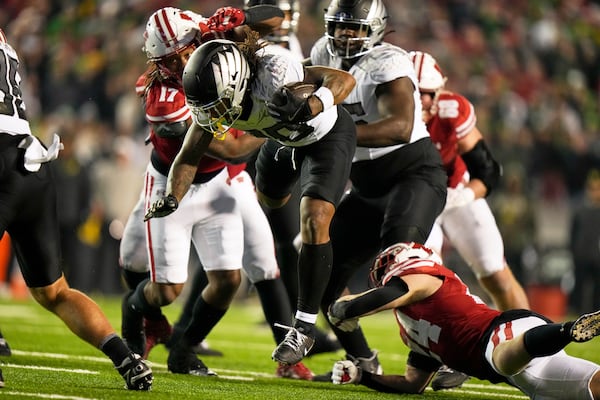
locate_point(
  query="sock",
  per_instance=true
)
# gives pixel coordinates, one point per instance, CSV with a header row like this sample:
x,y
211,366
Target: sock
x,y
275,305
114,347
204,318
138,302
198,283
287,258
545,340
354,343
314,270
133,279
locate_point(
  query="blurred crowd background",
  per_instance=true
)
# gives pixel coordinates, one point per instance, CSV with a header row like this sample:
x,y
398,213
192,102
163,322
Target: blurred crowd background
x,y
530,67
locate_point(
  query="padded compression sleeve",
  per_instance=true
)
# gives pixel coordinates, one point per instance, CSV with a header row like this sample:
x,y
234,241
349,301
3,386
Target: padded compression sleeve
x,y
482,165
370,300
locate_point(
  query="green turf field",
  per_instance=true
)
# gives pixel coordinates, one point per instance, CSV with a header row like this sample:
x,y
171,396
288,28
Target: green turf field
x,y
49,362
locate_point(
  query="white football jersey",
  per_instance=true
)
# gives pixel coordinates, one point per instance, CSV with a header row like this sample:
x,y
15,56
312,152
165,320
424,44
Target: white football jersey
x,y
273,71
382,64
12,112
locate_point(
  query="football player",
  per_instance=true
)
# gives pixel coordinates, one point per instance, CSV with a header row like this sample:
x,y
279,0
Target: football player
x,y
467,220
473,173
28,213
311,139
398,181
285,220
441,322
221,216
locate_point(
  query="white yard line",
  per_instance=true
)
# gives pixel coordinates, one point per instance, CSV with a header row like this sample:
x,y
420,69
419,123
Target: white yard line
x,y
43,395
501,391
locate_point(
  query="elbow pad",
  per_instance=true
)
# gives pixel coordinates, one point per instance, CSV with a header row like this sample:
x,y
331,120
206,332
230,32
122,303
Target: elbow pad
x,y
483,166
171,130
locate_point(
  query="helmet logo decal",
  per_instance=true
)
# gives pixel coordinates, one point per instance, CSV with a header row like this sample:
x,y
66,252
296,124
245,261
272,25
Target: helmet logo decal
x,y
343,15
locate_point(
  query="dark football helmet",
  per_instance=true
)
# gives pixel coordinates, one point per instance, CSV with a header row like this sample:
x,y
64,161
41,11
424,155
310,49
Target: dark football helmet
x,y
215,81
291,11
366,17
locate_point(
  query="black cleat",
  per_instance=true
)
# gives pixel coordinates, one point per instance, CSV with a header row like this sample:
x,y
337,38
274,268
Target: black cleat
x,y
448,378
586,327
135,371
4,347
182,360
293,348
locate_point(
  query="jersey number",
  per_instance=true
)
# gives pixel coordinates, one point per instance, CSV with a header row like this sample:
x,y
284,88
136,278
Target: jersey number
x,y
273,131
167,94
11,102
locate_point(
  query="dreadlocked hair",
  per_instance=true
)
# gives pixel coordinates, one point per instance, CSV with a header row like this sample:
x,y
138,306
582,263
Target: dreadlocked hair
x,y
250,46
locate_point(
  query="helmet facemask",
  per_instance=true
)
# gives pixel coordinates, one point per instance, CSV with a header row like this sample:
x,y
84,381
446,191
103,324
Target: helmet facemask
x,y
367,18
215,81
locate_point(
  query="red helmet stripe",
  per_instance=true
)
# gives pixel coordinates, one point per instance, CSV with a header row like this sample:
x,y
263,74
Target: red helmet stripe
x,y
165,29
419,61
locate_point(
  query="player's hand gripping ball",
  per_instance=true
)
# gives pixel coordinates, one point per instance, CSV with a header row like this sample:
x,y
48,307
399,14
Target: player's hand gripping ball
x,y
290,102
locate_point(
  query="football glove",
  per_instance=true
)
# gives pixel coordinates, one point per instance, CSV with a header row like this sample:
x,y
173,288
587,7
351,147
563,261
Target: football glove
x,y
162,207
346,325
345,372
287,107
458,197
226,18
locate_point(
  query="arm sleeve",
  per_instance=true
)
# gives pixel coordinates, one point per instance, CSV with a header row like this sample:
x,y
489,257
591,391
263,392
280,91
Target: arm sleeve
x,y
370,300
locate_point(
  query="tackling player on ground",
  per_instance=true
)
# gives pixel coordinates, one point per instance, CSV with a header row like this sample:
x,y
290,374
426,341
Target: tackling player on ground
x,y
441,322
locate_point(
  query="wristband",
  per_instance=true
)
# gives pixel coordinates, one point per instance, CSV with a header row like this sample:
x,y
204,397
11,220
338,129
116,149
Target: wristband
x,y
326,97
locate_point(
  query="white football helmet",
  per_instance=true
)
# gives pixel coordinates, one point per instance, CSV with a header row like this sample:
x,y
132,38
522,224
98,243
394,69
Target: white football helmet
x,y
215,80
169,30
397,256
361,15
429,73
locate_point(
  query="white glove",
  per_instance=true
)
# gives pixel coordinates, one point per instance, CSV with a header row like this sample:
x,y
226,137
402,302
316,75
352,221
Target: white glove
x,y
458,197
345,372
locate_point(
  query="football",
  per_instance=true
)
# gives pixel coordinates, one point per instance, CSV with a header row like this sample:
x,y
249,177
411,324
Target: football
x,y
301,89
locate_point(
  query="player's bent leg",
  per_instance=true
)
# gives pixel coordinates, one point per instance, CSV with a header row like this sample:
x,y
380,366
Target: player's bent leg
x,y
79,312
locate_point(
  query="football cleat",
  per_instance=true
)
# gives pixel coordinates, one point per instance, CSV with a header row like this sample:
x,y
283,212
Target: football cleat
x,y
448,378
135,371
157,332
586,327
1,379
293,348
369,364
296,371
204,349
132,328
182,360
4,347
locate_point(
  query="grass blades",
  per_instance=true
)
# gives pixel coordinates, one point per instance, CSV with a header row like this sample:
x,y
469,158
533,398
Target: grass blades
x,y
49,362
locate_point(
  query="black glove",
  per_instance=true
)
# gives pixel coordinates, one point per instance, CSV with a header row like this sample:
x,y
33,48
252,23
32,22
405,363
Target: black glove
x,y
287,107
162,207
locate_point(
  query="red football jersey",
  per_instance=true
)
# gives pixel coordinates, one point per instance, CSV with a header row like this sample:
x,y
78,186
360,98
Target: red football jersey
x,y
449,324
165,103
455,118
